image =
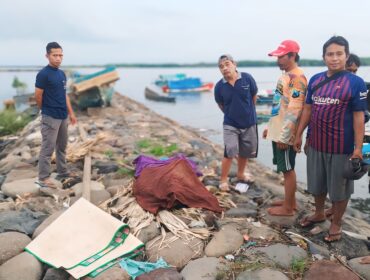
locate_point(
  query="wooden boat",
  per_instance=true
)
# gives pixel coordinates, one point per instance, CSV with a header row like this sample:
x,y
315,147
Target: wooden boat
x,y
155,93
176,83
265,96
94,90
201,88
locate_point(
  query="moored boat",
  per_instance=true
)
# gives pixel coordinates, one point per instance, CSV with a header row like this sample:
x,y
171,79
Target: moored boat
x,y
155,93
94,90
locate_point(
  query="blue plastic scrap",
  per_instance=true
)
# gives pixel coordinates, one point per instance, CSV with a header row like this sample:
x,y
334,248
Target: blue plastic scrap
x,y
135,268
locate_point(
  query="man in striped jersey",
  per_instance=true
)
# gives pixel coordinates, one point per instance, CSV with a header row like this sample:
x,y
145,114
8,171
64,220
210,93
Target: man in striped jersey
x,y
334,109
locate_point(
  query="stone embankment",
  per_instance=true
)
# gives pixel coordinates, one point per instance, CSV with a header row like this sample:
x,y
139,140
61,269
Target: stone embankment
x,y
243,243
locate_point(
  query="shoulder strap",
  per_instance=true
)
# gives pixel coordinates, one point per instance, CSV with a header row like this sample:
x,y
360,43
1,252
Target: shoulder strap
x,y
325,81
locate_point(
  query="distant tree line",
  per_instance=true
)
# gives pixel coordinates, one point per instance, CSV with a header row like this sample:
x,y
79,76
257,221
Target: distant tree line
x,y
365,61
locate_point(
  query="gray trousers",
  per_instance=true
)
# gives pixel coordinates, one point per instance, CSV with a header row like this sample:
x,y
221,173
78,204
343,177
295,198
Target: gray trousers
x,y
54,136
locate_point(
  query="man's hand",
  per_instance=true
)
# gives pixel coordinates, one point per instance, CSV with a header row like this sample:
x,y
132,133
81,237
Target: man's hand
x,y
73,119
282,146
357,153
264,133
297,144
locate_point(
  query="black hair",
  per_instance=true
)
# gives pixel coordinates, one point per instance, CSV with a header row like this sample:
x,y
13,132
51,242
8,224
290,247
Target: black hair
x,y
296,58
353,59
339,40
52,45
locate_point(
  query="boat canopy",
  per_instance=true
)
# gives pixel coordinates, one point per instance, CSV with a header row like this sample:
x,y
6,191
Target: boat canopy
x,y
185,83
170,77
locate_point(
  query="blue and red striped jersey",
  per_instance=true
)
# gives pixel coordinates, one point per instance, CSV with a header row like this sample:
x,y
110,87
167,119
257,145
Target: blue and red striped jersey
x,y
333,105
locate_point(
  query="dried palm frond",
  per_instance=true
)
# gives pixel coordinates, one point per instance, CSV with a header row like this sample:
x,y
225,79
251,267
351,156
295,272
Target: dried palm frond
x,y
178,227
78,150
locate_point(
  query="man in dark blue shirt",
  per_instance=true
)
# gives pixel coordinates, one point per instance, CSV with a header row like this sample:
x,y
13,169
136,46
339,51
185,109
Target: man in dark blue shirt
x,y
51,98
236,95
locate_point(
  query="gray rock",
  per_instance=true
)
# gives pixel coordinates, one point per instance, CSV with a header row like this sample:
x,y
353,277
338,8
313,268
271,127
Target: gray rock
x,y
262,274
283,255
205,268
329,271
241,212
7,206
24,221
46,223
97,197
177,254
18,174
23,266
113,273
47,205
11,244
2,180
105,167
20,187
56,274
161,274
226,241
362,269
263,232
282,221
94,185
148,233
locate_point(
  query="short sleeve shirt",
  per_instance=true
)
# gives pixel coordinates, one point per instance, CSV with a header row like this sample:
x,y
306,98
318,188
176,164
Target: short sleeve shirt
x,y
53,81
237,101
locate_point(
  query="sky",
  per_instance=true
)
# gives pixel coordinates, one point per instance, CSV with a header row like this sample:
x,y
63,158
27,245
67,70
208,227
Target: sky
x,y
165,31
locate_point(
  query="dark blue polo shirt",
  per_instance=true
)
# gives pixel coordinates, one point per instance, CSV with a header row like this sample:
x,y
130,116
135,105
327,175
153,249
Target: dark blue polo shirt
x,y
53,81
237,100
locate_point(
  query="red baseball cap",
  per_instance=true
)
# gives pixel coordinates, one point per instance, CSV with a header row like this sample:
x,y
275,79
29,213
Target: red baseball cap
x,y
285,47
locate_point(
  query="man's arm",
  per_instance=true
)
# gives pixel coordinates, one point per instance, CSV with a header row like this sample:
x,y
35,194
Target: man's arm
x,y
359,129
38,96
71,114
254,99
221,106
305,119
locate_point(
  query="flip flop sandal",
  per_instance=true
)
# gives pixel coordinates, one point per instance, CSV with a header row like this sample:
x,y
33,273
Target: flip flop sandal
x,y
306,222
333,237
66,175
46,184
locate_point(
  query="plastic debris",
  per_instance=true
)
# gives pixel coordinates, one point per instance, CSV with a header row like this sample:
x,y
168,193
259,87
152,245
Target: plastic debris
x,y
230,257
242,187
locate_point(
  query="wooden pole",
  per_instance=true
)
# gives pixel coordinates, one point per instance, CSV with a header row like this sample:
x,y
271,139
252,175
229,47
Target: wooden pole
x,y
86,193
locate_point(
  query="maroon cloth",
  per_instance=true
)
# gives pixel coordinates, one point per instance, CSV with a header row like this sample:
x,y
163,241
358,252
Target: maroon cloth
x,y
162,187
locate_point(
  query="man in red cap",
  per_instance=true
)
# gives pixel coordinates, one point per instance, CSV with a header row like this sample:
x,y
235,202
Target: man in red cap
x,y
287,107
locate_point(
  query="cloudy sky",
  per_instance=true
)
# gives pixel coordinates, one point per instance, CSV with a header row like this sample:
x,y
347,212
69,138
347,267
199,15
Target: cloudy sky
x,y
157,31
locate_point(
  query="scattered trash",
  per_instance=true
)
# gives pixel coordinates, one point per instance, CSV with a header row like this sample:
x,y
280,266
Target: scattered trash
x,y
135,268
316,230
242,187
317,257
246,237
256,224
249,244
230,257
197,224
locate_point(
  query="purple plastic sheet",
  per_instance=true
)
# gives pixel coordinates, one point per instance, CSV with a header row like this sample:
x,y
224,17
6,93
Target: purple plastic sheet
x,y
142,162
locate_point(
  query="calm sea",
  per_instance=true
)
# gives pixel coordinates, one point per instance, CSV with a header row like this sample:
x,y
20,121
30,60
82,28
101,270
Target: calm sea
x,y
196,110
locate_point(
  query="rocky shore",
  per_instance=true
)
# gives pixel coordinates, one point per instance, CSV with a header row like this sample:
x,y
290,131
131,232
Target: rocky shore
x,y
244,242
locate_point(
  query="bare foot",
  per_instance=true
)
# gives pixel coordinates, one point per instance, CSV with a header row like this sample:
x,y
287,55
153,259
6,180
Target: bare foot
x,y
280,203
365,260
280,211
